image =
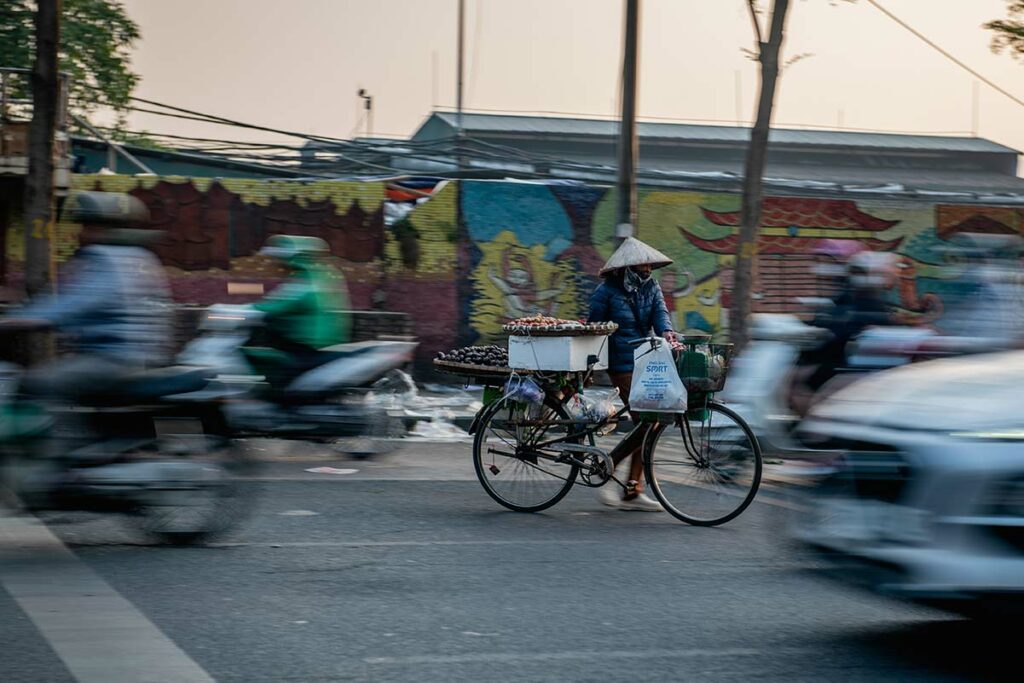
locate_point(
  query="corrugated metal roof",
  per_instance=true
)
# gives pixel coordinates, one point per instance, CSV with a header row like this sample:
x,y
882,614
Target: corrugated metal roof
x,y
686,132
939,180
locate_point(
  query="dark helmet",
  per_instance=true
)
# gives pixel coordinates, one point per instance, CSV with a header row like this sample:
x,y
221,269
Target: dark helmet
x,y
114,209
115,217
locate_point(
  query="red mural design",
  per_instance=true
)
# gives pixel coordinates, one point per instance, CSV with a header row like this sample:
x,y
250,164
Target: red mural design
x,y
951,220
786,212
777,244
207,229
783,269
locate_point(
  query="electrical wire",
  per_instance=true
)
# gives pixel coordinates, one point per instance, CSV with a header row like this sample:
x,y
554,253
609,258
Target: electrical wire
x,y
946,54
334,157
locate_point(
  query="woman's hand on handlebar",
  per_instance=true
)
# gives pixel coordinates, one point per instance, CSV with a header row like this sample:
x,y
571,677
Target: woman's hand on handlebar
x,y
670,336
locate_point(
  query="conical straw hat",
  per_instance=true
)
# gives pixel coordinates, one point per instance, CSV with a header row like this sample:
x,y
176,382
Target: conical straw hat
x,y
633,252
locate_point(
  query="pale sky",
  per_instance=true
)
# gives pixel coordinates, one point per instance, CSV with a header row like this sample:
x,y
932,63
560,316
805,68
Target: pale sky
x,y
297,64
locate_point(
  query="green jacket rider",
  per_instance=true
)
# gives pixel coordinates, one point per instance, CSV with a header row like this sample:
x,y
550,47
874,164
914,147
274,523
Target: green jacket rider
x,y
309,312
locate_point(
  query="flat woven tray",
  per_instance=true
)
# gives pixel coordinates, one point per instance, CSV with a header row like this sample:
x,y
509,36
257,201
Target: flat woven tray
x,y
588,330
479,371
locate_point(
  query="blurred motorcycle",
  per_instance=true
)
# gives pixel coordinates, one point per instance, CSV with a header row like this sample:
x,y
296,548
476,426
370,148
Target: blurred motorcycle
x,y
352,398
155,447
985,314
762,378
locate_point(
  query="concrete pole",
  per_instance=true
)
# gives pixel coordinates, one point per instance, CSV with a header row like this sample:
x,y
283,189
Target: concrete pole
x,y
459,66
458,84
626,210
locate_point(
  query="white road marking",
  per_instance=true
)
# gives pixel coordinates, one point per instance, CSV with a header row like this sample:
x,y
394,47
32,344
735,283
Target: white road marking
x,y
331,470
98,634
386,544
592,655
364,478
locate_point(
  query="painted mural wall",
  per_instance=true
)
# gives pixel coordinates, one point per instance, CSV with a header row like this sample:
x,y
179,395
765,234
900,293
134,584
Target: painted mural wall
x,y
540,248
478,253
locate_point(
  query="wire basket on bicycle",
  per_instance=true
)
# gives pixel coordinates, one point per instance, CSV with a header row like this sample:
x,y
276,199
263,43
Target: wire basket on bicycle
x,y
702,365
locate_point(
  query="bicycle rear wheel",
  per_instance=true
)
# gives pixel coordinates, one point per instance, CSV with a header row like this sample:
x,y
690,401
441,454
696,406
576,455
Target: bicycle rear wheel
x,y
511,471
706,470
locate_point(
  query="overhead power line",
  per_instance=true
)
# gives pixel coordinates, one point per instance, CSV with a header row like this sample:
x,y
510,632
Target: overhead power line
x,y
945,53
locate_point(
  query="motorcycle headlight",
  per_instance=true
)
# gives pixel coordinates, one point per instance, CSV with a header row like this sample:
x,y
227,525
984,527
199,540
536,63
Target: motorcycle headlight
x,y
1013,434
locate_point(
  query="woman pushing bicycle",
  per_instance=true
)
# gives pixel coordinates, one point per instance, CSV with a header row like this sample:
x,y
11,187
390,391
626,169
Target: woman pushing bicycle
x,y
630,297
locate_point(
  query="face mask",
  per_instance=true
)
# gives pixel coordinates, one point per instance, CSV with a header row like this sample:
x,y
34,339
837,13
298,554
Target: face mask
x,y
644,277
632,281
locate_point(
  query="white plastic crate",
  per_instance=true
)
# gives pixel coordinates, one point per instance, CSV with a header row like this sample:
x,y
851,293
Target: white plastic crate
x,y
568,354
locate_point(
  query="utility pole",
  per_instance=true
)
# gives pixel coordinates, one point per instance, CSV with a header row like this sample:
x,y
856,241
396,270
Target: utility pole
x,y
975,109
626,210
368,105
39,202
458,82
739,98
433,80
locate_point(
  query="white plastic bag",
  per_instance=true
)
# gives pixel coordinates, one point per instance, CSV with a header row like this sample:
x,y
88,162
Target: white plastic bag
x,y
587,407
656,385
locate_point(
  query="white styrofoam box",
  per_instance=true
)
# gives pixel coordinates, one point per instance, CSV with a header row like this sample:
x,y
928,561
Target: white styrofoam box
x,y
568,354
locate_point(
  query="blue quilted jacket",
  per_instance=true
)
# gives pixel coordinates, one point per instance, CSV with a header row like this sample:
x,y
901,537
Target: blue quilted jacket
x,y
610,303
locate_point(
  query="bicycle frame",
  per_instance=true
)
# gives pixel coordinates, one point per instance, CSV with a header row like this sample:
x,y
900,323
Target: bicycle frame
x,y
558,440
628,444
636,438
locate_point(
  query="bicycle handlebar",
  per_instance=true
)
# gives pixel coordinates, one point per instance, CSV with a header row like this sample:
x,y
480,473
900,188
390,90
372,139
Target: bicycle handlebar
x,y
640,340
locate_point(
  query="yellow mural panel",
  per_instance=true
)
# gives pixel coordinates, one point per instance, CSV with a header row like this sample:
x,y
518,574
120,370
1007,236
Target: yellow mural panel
x,y
512,281
434,223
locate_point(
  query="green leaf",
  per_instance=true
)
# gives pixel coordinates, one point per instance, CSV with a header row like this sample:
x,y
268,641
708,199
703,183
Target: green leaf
x,y
95,48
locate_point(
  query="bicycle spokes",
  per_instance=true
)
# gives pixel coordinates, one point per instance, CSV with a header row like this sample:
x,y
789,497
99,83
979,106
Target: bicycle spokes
x,y
512,467
710,472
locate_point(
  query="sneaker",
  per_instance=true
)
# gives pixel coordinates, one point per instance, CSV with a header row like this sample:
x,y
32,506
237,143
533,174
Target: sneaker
x,y
642,503
610,494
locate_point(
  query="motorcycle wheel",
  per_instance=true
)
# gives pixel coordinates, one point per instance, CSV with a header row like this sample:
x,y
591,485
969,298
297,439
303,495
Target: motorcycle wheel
x,y
198,510
382,431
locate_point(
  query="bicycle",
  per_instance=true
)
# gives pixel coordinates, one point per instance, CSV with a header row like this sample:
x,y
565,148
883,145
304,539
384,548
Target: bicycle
x,y
527,456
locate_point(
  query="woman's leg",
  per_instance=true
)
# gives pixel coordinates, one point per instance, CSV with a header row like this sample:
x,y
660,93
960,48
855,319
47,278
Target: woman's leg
x,y
623,381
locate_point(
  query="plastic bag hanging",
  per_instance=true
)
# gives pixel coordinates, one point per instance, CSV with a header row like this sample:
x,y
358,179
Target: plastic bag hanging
x,y
656,385
524,390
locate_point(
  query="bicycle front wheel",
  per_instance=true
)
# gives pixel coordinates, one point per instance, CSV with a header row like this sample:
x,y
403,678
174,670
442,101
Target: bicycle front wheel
x,y
510,468
706,470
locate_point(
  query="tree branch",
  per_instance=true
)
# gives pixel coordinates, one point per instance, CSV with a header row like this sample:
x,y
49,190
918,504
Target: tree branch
x,y
757,24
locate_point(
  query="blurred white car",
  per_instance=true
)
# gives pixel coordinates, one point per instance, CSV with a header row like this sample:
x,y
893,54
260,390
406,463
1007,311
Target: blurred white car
x,y
926,502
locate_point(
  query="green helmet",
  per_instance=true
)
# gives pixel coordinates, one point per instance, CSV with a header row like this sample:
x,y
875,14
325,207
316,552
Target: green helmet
x,y
295,249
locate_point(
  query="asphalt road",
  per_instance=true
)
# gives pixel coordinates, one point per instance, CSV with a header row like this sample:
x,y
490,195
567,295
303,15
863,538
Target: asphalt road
x,y
406,571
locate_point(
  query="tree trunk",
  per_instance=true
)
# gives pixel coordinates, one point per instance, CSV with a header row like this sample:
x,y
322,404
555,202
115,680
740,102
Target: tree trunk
x,y
39,206
750,221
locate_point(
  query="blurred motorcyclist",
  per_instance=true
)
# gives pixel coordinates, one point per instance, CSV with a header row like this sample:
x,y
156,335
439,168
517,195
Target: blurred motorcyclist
x,y
988,303
858,304
114,306
833,258
308,312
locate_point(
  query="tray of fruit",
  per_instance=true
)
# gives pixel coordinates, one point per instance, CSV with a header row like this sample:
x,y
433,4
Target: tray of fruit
x,y
546,326
485,362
